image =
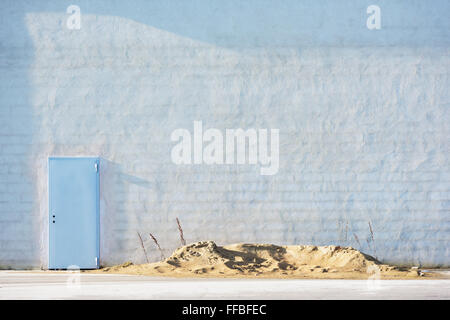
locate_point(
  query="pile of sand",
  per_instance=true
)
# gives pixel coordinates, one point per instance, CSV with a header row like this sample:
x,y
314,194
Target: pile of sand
x,y
206,259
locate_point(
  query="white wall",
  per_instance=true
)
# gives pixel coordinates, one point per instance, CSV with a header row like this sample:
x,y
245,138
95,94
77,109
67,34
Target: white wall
x,y
363,118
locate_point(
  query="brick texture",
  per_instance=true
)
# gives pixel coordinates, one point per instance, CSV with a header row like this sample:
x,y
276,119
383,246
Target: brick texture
x,y
363,119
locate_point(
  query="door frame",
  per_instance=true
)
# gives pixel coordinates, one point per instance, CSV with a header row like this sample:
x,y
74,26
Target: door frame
x,y
97,197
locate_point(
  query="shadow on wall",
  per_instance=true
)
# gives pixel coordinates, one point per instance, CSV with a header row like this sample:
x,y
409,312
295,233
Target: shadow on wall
x,y
19,227
234,24
122,208
265,23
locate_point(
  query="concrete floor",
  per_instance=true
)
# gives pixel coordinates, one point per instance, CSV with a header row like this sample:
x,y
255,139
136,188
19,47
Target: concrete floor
x,y
63,285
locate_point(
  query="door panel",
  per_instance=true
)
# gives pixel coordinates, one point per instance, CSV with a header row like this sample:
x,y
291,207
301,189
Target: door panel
x,y
73,213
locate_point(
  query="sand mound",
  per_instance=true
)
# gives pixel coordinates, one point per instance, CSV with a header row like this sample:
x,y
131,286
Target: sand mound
x,y
266,260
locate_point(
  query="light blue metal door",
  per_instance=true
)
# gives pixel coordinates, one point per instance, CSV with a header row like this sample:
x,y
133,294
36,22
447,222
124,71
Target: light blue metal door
x,y
73,213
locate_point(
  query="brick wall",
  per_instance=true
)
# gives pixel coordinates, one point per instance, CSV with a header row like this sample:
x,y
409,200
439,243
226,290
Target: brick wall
x,y
363,118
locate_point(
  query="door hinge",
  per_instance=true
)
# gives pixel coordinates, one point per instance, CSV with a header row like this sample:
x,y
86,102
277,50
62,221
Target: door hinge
x,y
96,166
96,261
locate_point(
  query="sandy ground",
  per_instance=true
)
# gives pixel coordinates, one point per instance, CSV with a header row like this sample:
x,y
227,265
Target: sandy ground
x,y
66,285
207,260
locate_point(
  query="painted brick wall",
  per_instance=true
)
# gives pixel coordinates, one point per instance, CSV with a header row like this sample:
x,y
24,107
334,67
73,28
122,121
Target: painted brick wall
x,y
363,118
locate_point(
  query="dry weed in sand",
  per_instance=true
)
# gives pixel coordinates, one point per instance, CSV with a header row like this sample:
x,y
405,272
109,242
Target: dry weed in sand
x,y
371,231
346,231
357,240
206,259
373,239
157,244
183,242
142,245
